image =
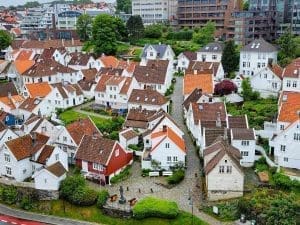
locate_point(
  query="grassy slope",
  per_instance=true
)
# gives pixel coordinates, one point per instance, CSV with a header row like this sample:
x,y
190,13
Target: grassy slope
x,y
93,214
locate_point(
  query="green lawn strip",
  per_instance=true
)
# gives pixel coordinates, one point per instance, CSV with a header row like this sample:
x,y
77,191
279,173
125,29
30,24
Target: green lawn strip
x,y
93,214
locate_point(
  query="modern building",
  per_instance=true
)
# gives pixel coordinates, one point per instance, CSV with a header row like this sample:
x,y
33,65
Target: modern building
x,y
155,11
37,19
288,16
67,20
199,12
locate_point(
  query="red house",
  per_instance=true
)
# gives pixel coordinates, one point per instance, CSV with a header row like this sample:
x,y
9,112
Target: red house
x,y
101,158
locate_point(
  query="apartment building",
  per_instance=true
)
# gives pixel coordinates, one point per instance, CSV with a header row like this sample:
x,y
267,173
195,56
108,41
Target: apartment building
x,y
155,11
198,12
67,20
288,16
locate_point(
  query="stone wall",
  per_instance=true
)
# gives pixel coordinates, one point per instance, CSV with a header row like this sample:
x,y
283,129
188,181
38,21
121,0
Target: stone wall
x,y
117,212
27,188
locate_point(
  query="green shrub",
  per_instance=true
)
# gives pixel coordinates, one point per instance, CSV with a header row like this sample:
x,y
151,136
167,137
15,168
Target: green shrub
x,y
114,135
145,172
10,195
26,202
121,176
70,185
284,182
83,196
103,195
177,177
154,207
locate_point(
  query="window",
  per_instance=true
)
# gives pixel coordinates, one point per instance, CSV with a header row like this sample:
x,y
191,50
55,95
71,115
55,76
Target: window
x,y
263,65
45,180
285,159
175,159
258,65
147,141
295,84
245,143
169,158
221,169
117,153
266,76
282,148
288,83
8,170
244,64
65,148
7,157
56,157
297,136
110,88
64,138
167,145
281,127
97,166
33,168
57,95
102,95
244,153
151,53
229,169
214,56
115,88
274,85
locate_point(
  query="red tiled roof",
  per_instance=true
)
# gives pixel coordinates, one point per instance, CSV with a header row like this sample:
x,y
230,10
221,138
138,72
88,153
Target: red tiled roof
x,y
147,96
204,82
38,89
289,106
293,69
82,127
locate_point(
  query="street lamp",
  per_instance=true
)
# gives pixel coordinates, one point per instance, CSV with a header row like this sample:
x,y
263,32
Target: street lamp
x,y
191,204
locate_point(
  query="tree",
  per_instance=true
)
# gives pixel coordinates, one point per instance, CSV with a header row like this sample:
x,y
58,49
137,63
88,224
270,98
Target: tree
x,y
205,34
288,48
225,87
124,6
247,92
230,57
246,5
121,29
105,34
84,26
153,31
135,27
5,40
32,4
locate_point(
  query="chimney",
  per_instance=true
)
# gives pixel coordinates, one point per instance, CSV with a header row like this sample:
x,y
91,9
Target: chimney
x,y
225,134
165,128
218,122
9,95
33,139
63,42
195,72
72,41
95,135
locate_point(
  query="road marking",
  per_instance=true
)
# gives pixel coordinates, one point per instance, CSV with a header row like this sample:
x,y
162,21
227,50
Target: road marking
x,y
5,221
13,222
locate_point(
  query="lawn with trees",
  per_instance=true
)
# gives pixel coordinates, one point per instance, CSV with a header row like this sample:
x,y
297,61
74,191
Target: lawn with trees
x,y
5,39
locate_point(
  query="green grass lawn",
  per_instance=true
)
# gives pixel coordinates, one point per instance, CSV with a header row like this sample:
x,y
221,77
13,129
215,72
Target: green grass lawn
x,y
93,214
103,124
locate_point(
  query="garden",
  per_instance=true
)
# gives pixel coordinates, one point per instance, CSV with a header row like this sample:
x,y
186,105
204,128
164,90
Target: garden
x,y
258,111
110,127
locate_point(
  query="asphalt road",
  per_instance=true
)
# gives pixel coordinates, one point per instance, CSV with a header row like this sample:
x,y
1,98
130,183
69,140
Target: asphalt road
x,y
4,220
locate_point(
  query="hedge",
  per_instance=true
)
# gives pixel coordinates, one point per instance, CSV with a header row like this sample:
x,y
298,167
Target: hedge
x,y
83,196
121,176
102,198
154,207
176,178
9,195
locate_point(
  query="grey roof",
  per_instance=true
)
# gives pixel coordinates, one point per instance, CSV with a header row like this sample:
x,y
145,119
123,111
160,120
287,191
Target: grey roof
x,y
160,48
259,45
212,47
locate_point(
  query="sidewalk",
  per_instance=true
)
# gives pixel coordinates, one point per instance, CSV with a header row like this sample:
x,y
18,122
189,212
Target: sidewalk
x,y
39,217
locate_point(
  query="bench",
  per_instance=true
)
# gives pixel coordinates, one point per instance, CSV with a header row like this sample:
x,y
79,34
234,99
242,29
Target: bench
x,y
167,173
113,198
153,174
132,201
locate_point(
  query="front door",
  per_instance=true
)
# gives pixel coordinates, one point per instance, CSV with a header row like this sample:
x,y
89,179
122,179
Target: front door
x,y
85,166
